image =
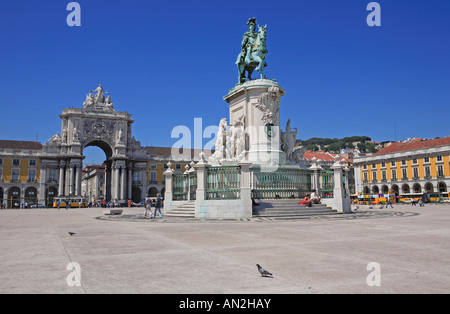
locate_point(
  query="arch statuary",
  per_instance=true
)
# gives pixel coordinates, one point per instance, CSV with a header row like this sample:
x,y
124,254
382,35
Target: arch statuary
x,y
96,123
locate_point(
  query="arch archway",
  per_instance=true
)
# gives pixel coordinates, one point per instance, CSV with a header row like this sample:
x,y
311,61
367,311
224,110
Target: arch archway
x,y
442,187
152,191
417,188
375,189
406,189
429,187
385,189
107,149
100,172
1,196
30,196
136,195
49,195
395,189
14,197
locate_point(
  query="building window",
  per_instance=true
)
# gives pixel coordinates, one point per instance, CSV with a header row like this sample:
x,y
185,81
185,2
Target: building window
x,y
365,176
152,166
427,172
440,170
52,175
404,174
32,162
178,166
374,166
415,161
394,174
416,173
165,166
374,176
403,162
152,177
365,167
438,158
15,175
1,162
383,175
16,162
393,163
1,174
426,159
31,175
136,177
383,164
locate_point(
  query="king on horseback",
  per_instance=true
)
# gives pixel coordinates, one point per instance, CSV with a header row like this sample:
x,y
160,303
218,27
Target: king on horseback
x,y
253,51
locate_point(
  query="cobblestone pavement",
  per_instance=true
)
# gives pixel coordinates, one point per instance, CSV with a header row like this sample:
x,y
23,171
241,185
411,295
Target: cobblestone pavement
x,y
313,254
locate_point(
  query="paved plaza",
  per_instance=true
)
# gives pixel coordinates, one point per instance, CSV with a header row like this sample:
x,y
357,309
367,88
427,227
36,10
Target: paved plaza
x,y
128,254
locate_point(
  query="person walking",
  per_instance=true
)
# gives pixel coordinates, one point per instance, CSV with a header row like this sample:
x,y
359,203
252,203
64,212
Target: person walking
x,y
148,206
421,204
158,205
388,202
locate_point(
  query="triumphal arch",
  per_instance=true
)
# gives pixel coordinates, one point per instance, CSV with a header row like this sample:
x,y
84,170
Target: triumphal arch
x,y
96,124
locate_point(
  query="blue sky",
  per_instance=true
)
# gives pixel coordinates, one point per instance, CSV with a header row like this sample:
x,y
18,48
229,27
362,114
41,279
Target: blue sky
x,y
168,62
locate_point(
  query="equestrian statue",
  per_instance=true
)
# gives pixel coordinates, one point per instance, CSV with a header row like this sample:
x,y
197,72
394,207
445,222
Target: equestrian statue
x,y
253,52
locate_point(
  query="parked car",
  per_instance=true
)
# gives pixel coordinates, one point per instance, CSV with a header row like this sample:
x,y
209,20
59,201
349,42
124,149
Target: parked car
x,y
141,204
38,206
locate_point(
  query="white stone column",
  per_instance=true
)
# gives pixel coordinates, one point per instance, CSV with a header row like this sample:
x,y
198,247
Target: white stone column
x,y
116,183
316,175
71,172
78,180
144,183
61,179
130,181
123,174
341,203
67,180
168,196
246,190
42,184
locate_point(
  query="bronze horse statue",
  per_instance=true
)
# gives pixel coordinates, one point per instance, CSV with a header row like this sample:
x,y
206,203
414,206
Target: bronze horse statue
x,y
255,57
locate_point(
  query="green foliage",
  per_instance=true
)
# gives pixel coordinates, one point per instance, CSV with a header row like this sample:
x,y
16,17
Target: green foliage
x,y
334,145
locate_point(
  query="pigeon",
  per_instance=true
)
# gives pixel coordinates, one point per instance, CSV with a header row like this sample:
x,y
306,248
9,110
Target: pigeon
x,y
262,271
72,233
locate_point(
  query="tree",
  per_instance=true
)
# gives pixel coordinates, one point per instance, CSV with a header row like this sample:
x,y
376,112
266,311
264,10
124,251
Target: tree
x,y
312,147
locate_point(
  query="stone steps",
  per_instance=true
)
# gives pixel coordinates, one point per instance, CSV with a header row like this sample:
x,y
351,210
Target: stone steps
x,y
186,210
290,208
275,208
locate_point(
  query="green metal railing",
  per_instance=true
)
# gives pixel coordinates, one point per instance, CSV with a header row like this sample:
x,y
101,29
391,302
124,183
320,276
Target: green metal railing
x,y
282,183
192,185
326,189
223,183
180,187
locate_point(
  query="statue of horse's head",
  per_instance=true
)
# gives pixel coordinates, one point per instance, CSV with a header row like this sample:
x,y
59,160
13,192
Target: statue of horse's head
x,y
263,31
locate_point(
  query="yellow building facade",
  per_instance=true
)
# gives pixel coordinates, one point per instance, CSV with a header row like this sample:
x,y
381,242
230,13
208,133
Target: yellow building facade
x,y
412,169
20,170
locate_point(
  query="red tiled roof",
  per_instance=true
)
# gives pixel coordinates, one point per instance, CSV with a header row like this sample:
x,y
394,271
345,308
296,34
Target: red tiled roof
x,y
414,144
20,145
309,155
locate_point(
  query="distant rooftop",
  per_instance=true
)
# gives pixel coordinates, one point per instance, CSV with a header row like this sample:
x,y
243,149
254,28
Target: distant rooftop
x,y
20,145
413,145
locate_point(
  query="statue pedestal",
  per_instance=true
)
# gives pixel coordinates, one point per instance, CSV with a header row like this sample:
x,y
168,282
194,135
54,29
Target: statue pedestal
x,y
258,101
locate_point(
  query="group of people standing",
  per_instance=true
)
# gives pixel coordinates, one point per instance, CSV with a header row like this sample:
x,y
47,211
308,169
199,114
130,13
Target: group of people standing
x,y
149,203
